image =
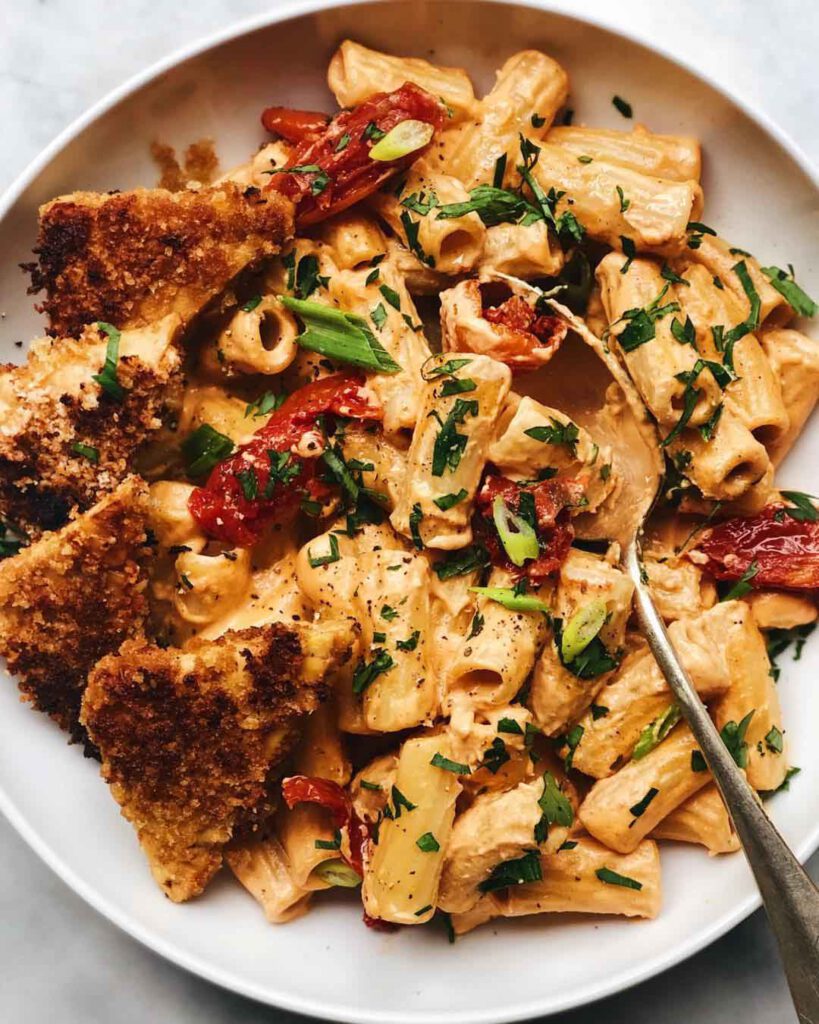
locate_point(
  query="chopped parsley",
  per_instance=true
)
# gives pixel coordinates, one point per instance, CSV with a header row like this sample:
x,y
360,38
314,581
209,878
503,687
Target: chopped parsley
x,y
624,203
449,444
685,333
460,562
778,640
668,274
319,560
802,508
495,756
641,322
514,872
264,404
448,501
391,296
203,449
629,251
107,377
388,613
476,628
509,725
555,807
787,287
448,765
249,483
379,316
251,304
572,739
367,672
558,433
743,584
415,517
774,740
639,809
410,643
427,843
733,736
623,106
613,878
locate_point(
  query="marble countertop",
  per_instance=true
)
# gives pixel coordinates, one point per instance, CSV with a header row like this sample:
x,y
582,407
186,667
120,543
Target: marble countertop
x,y
61,960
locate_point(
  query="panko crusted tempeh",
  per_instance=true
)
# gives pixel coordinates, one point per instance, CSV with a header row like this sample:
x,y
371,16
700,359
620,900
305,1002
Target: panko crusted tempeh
x,y
189,737
130,258
73,597
64,440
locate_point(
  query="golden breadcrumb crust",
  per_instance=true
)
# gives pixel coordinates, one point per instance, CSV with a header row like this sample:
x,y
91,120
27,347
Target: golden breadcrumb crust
x,y
189,737
64,441
73,597
130,258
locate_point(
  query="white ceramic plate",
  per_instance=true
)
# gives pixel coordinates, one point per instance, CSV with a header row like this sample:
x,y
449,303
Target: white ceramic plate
x,y
759,194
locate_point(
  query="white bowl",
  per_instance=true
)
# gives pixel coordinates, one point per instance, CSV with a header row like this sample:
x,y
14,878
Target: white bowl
x,y
760,193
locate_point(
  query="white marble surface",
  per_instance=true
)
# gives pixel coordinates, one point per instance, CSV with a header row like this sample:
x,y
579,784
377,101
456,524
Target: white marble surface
x,y
61,961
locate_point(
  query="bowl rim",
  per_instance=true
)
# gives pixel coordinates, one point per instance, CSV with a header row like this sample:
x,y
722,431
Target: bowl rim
x,y
285,11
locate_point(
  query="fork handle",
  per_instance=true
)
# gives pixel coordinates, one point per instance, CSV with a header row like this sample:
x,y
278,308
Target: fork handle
x,y
790,898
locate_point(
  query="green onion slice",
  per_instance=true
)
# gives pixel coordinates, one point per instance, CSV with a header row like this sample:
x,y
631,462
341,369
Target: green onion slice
x,y
405,138
509,599
339,335
582,628
336,872
519,544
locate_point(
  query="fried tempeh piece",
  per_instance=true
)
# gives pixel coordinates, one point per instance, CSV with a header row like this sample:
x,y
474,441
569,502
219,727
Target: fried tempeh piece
x,y
130,258
189,737
64,440
73,597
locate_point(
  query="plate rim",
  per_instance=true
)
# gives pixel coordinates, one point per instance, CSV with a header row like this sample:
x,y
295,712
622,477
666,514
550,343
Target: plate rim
x,y
286,10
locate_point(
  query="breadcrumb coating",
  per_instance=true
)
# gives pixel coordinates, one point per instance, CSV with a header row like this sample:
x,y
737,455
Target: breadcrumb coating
x,y
64,442
189,737
73,597
131,258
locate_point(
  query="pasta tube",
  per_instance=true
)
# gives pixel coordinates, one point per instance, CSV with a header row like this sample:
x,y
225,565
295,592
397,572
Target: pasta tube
x,y
674,157
520,456
753,693
449,245
613,202
355,73
401,877
261,865
559,694
634,709
702,819
387,305
590,879
794,359
448,451
621,810
776,609
756,395
678,588
654,364
717,256
394,591
261,339
529,82
490,666
354,238
521,250
497,827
